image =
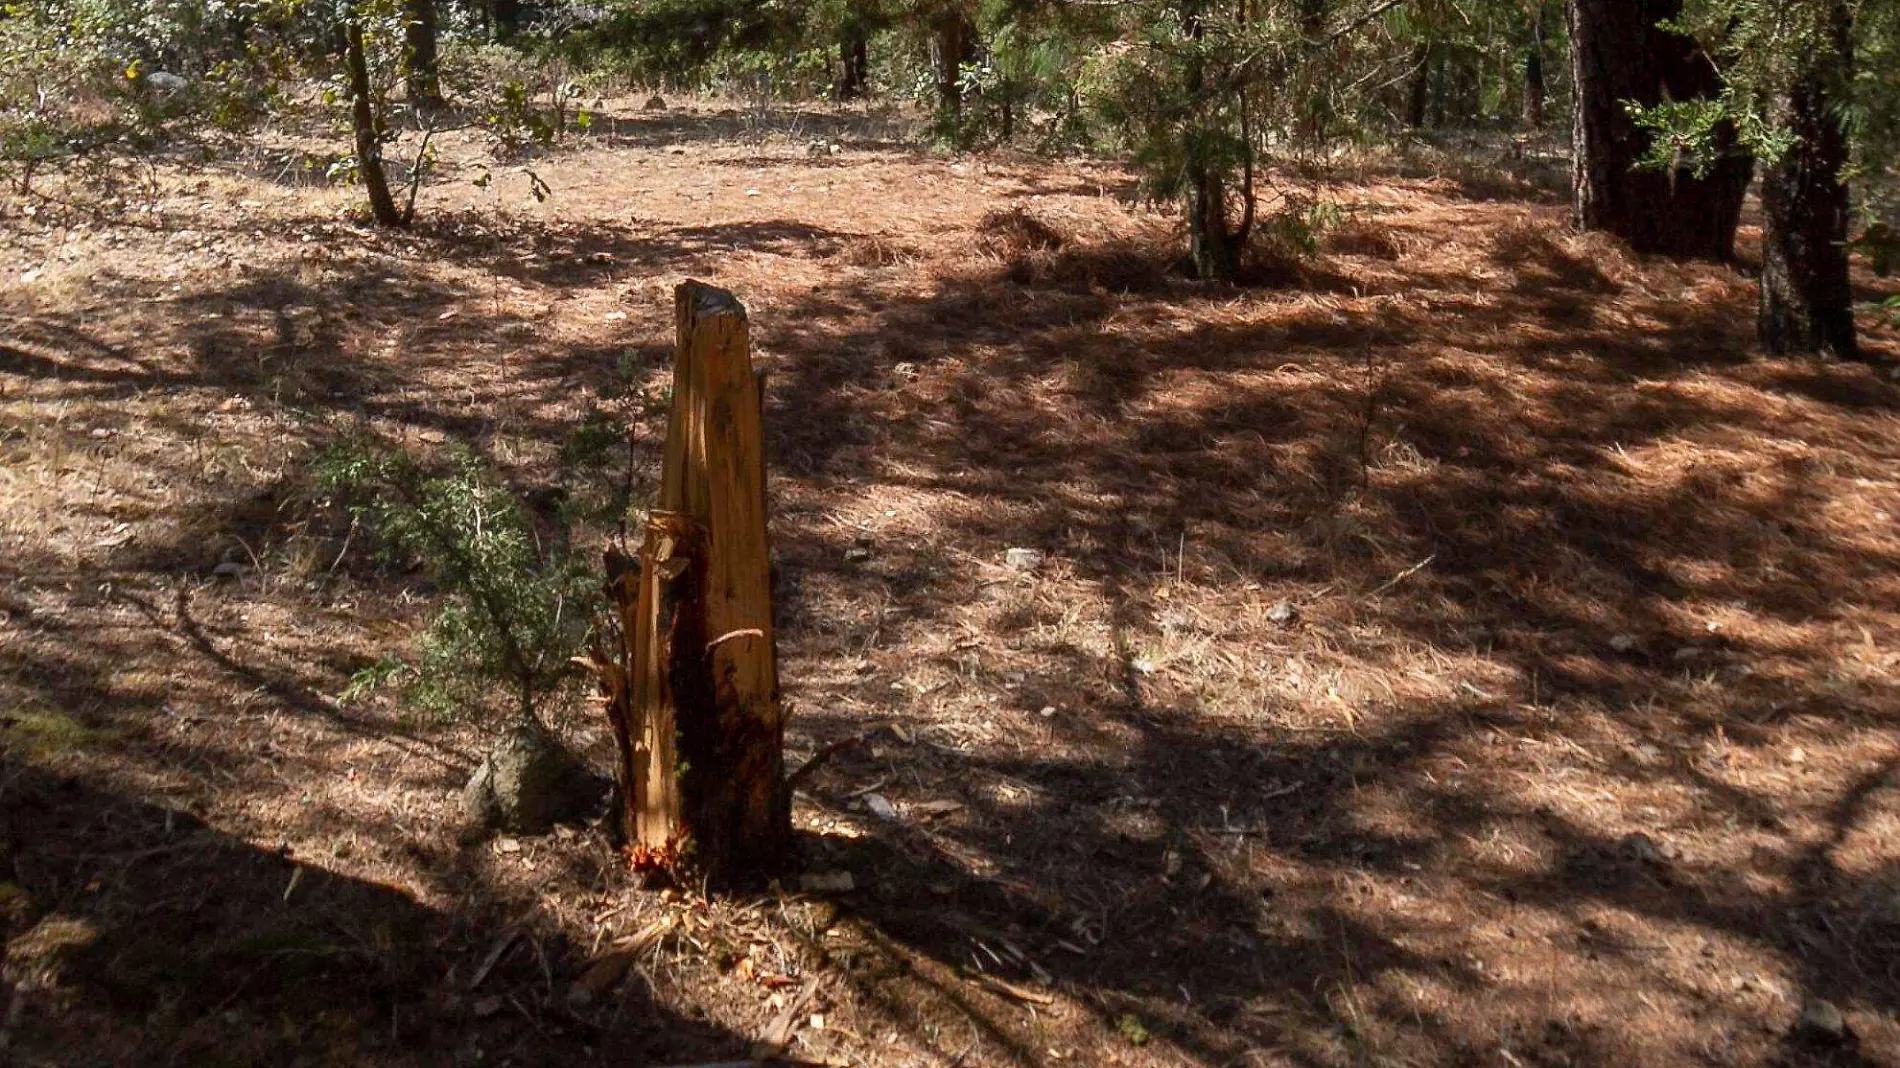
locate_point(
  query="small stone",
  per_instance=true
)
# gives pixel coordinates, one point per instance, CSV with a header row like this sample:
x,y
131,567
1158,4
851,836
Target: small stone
x,y
1025,559
880,806
836,148
827,882
1282,613
1639,846
857,554
656,102
529,782
1624,643
1822,1024
1143,667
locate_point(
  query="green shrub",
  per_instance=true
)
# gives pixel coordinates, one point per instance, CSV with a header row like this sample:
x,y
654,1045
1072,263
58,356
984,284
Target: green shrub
x,y
516,606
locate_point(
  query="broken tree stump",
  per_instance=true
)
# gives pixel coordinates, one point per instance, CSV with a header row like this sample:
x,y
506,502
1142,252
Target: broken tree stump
x,y
694,703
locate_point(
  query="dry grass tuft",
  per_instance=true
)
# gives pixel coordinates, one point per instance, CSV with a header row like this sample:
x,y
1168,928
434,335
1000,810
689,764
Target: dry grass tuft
x,y
879,250
1112,266
1375,239
1013,232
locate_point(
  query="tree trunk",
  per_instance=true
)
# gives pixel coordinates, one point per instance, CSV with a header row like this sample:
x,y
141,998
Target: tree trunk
x,y
1212,249
1467,95
1313,19
1419,94
855,53
1534,85
695,707
504,18
953,44
419,41
1807,298
369,139
1618,55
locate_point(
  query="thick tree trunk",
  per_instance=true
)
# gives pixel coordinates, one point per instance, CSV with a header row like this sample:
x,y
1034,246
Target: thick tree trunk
x,y
1619,54
1807,298
369,140
854,52
695,701
419,41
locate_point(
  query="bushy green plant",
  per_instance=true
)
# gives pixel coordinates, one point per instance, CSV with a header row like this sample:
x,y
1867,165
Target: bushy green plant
x,y
515,606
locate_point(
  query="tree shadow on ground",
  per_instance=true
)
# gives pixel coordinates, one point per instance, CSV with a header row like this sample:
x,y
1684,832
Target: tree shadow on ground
x,y
1579,515
1507,781
137,934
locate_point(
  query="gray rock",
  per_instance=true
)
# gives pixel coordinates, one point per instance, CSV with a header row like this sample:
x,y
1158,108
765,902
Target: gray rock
x,y
165,83
1822,1022
1024,559
1640,847
529,782
1282,613
827,882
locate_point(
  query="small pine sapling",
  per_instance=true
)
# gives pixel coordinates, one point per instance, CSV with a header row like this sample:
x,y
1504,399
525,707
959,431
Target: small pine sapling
x,y
516,607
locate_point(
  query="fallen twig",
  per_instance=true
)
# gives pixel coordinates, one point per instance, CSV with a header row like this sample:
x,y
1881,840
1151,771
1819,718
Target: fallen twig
x,y
818,759
1020,993
507,939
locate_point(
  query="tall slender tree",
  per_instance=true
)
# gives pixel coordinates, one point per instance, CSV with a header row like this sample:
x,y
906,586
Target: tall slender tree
x,y
363,120
1535,87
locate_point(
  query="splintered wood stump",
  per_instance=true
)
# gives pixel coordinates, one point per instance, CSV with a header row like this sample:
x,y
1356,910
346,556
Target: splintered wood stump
x,y
695,708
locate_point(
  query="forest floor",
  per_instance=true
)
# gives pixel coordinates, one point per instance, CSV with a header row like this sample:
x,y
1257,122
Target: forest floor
x,y
1463,651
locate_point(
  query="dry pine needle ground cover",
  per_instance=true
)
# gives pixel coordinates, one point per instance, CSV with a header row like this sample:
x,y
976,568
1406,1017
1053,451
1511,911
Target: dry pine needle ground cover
x,y
1461,653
